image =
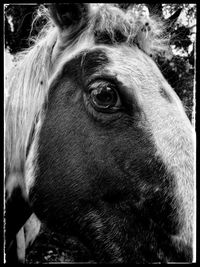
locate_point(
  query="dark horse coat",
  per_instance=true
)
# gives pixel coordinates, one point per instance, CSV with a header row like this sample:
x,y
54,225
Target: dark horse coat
x,y
97,142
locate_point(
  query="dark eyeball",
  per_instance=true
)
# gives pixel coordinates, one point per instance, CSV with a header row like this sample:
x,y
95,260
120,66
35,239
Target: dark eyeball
x,y
104,96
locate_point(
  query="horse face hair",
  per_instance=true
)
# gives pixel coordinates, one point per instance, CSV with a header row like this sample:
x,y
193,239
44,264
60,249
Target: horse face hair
x,y
121,182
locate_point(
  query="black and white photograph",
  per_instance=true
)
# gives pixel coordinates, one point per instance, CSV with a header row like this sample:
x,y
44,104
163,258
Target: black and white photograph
x,y
99,133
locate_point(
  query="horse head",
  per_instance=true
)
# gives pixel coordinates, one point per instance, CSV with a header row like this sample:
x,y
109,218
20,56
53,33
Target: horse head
x,y
106,147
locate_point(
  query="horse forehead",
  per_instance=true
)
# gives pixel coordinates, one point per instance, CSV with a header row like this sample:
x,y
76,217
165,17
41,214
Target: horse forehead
x,y
121,58
135,70
132,67
130,59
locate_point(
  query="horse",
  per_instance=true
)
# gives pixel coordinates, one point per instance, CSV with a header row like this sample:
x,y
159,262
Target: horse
x,y
97,143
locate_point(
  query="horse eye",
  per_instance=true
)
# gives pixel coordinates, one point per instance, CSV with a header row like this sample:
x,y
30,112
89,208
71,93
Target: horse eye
x,y
104,97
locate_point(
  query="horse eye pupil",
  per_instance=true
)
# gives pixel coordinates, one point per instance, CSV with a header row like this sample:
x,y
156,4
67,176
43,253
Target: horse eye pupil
x,y
104,97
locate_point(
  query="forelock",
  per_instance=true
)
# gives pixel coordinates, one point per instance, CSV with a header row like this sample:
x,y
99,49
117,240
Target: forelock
x,y
112,25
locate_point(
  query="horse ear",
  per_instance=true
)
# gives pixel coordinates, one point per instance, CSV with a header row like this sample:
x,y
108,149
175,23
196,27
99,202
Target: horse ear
x,y
69,16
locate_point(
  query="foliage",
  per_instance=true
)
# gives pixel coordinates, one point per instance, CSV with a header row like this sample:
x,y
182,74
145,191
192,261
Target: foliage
x,y
179,70
18,26
177,66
